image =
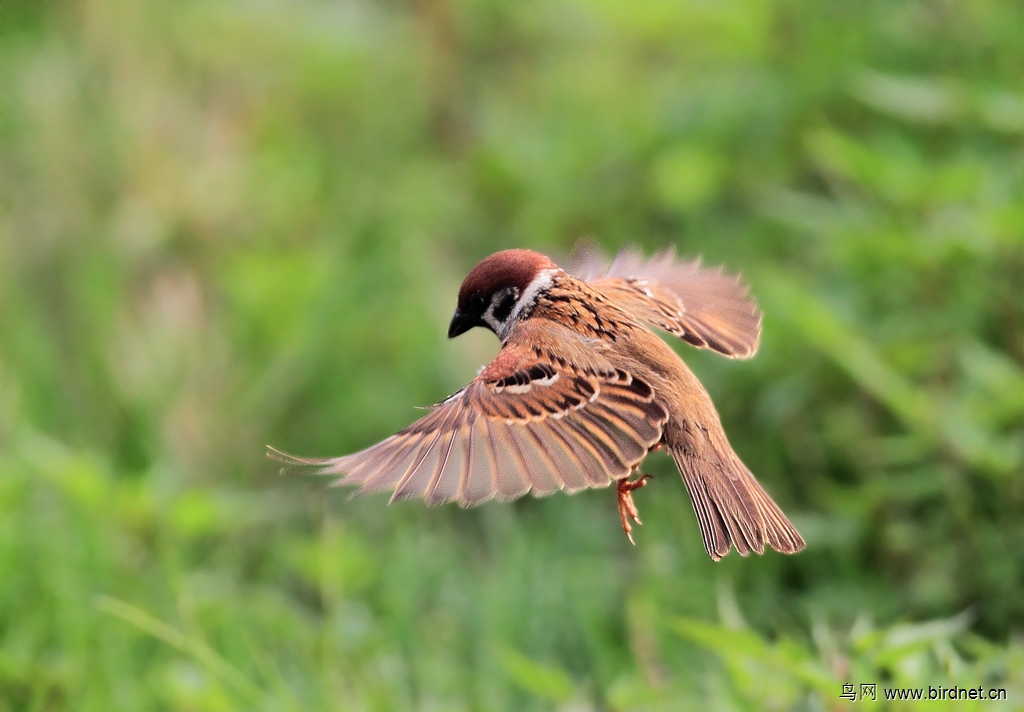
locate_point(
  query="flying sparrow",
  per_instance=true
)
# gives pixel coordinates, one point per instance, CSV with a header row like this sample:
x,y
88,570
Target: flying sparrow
x,y
581,390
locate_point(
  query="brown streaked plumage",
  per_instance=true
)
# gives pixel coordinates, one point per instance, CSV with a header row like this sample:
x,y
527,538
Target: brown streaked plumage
x,y
580,392
704,307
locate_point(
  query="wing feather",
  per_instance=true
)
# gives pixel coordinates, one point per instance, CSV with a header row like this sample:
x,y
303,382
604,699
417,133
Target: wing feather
x,y
480,479
707,308
531,421
567,469
601,431
627,438
583,440
584,459
540,474
389,462
511,481
445,484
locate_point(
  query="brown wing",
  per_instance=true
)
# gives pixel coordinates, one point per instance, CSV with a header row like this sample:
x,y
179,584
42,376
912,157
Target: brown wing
x,y
531,421
704,307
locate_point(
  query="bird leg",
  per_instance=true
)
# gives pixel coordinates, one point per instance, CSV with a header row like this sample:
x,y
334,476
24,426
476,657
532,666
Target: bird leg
x,y
627,509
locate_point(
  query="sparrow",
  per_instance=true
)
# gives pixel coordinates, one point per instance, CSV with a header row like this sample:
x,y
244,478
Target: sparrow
x,y
580,392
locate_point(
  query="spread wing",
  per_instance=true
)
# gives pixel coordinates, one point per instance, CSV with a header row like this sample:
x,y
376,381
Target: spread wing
x,y
704,307
532,421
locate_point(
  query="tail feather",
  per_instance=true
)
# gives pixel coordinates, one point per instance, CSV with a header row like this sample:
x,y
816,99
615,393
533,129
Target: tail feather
x,y
731,506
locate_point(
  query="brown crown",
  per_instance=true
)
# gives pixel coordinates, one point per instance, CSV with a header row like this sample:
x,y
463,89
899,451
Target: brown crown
x,y
509,268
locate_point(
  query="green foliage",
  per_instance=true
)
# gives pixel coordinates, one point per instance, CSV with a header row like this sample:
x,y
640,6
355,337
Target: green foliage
x,y
227,224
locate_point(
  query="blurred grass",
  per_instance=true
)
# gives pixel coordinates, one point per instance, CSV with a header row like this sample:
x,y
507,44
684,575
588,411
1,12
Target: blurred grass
x,y
224,224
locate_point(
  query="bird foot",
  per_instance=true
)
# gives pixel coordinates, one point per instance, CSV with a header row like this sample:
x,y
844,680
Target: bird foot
x,y
627,508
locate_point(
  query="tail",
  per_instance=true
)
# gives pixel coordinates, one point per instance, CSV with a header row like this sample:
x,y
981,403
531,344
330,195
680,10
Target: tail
x,y
731,506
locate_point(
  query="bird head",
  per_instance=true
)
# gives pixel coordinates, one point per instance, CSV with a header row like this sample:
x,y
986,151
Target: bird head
x,y
500,291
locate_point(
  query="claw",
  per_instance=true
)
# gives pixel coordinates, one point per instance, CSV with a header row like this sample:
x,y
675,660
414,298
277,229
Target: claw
x,y
627,508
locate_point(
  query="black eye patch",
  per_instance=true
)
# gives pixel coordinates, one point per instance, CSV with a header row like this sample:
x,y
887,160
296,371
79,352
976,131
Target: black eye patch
x,y
504,301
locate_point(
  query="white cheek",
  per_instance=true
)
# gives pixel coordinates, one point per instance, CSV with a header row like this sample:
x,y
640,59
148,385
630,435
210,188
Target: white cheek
x,y
524,303
501,328
490,319
529,297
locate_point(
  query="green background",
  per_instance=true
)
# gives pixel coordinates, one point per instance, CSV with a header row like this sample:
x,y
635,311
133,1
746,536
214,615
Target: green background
x,y
225,224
